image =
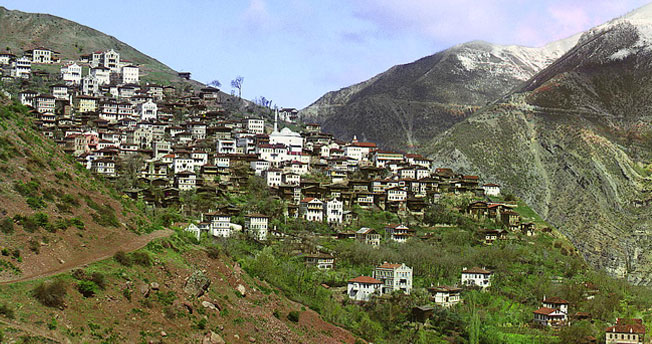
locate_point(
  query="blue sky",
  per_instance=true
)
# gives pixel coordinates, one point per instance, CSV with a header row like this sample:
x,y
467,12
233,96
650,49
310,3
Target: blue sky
x,y
294,51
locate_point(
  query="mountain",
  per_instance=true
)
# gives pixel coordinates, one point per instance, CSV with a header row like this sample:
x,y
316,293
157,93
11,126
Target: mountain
x,y
575,141
428,96
21,31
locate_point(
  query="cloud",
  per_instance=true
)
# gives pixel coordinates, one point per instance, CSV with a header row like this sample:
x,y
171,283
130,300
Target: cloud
x,y
498,21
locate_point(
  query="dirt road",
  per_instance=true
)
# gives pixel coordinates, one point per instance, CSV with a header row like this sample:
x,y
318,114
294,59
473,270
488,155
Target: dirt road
x,y
95,256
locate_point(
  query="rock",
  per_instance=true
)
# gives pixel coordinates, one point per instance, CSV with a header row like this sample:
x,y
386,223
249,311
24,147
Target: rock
x,y
197,284
163,334
221,327
252,339
236,336
61,261
209,305
154,286
188,307
144,290
241,289
213,338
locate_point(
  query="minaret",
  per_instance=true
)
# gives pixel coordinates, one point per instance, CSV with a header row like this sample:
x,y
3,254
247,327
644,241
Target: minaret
x,y
276,121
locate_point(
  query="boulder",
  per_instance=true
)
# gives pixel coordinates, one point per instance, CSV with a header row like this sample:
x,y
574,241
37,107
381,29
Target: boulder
x,y
197,284
209,305
144,290
240,288
154,286
213,338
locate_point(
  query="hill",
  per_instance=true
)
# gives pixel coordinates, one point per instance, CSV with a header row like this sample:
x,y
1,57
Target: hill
x,y
21,31
430,95
575,143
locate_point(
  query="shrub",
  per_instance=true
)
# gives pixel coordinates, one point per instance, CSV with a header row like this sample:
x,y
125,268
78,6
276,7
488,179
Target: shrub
x,y
6,311
293,316
87,288
35,203
213,252
16,253
141,258
277,314
99,280
34,246
7,225
5,252
77,222
122,258
166,298
51,293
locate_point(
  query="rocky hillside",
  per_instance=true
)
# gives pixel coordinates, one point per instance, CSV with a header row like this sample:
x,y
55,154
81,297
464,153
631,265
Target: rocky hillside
x,y
420,99
20,31
576,143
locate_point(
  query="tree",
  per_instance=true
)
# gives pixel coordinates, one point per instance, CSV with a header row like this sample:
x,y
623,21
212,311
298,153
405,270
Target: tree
x,y
215,83
237,84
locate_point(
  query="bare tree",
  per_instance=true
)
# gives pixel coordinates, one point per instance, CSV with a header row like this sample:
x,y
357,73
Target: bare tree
x,y
215,83
237,84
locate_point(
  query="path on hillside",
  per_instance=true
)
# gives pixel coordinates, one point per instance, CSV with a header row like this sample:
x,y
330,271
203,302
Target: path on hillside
x,y
108,252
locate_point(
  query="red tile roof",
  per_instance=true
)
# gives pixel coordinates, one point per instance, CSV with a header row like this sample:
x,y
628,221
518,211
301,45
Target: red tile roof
x,y
555,301
476,270
544,311
365,279
627,326
387,265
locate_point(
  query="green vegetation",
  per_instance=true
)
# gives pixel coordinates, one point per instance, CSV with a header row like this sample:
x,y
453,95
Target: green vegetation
x,y
51,293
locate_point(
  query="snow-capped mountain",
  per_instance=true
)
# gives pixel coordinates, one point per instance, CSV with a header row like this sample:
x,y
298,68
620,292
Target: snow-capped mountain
x,y
427,96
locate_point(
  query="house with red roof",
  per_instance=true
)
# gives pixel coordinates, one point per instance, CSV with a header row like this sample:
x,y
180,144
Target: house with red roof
x,y
362,288
626,331
554,312
476,277
395,277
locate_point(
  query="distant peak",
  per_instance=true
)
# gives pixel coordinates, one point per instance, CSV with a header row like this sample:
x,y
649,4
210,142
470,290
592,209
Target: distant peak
x,y
641,14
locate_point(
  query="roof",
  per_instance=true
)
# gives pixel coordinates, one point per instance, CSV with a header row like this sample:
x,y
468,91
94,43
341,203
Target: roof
x,y
365,230
387,265
445,289
365,279
476,270
555,301
627,326
545,311
257,215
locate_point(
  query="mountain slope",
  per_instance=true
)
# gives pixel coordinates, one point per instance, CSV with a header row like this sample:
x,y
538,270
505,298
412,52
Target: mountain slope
x,y
21,31
427,96
575,143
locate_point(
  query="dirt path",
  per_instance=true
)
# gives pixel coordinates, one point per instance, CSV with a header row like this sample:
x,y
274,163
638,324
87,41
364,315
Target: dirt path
x,y
33,331
96,256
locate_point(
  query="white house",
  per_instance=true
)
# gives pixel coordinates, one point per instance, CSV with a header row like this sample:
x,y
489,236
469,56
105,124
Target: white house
x,y
626,331
42,55
257,226
185,180
254,125
148,111
491,189
226,146
368,236
219,224
272,177
194,230
554,312
130,74
111,60
311,209
395,277
476,277
103,75
446,296
334,209
71,74
320,260
287,137
21,68
259,166
363,287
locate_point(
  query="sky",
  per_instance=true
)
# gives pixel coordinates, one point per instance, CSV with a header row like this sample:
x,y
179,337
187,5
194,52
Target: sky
x,y
294,51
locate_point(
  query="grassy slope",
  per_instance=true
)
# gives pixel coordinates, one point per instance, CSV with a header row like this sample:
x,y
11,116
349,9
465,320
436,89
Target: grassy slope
x,y
53,209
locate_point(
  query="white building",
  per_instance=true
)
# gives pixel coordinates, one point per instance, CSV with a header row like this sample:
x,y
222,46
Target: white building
x,y
312,209
42,55
446,296
185,180
554,312
194,230
476,277
254,125
71,74
363,288
256,225
491,189
259,166
148,111
103,75
219,224
130,74
395,277
287,137
226,146
334,209
626,331
21,68
111,60
272,177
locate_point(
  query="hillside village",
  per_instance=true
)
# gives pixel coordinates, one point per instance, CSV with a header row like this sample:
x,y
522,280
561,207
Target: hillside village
x,y
160,144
